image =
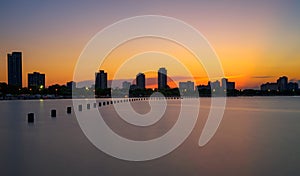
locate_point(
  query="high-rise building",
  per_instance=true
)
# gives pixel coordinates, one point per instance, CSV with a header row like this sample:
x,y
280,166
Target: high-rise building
x,y
36,80
162,78
282,83
126,85
101,80
292,86
269,87
215,85
224,82
226,85
230,86
14,69
186,86
140,81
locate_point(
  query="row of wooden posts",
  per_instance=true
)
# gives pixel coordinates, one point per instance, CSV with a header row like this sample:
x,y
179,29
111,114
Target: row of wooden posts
x,y
53,114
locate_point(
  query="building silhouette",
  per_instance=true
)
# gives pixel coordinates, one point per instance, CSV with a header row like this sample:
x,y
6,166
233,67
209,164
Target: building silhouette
x,y
36,80
71,85
133,87
126,85
204,87
162,78
226,85
186,86
269,87
101,80
292,86
215,86
282,83
14,69
140,81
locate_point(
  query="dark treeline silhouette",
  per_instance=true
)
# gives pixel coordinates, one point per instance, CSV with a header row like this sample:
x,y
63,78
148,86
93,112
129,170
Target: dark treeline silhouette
x,y
62,91
54,91
137,92
251,92
217,92
103,93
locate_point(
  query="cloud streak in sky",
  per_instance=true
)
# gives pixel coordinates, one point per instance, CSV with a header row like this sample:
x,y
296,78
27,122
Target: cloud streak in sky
x,y
262,77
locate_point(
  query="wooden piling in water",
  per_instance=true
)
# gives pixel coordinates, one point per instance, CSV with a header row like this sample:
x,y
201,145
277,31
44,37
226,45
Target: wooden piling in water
x,y
30,118
69,110
53,113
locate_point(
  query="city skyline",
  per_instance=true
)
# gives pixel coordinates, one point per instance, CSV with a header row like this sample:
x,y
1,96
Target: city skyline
x,y
253,47
102,87
160,87
37,80
174,83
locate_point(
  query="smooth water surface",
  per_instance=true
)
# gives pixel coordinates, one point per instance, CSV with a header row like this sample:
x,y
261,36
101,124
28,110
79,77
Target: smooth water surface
x,y
258,136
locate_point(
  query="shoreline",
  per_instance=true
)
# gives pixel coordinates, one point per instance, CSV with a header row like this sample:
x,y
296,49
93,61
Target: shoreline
x,y
70,98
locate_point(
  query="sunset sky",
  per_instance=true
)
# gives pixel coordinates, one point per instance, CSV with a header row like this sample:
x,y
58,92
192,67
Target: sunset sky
x,y
257,41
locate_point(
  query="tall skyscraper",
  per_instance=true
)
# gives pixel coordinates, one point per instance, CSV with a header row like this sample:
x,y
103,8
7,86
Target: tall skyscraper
x,y
162,78
14,69
101,80
140,81
36,80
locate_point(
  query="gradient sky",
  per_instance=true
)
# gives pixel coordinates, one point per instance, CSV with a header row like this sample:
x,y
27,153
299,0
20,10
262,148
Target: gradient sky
x,y
256,41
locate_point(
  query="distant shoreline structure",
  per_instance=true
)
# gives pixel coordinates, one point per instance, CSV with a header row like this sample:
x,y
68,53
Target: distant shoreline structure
x,y
37,89
235,93
186,89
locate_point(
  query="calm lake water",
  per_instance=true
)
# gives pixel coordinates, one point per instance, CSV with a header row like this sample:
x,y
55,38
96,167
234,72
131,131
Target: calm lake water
x,y
257,136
